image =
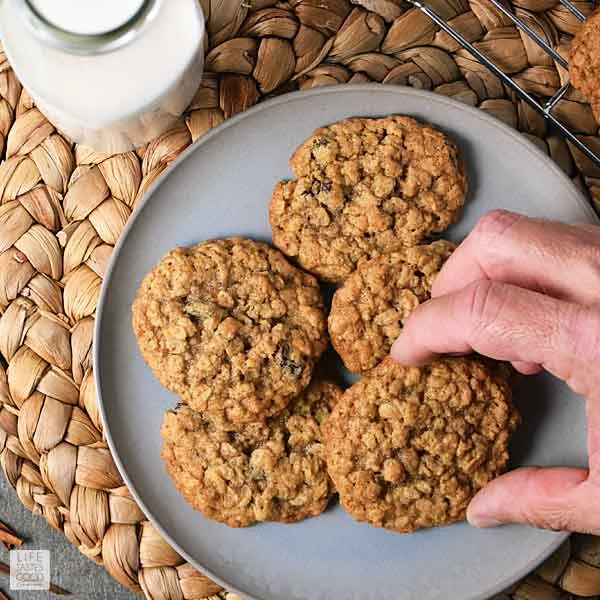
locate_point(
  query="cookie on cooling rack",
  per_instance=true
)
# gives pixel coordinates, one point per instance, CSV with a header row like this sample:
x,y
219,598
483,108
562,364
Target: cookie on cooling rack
x,y
409,447
368,311
271,471
365,187
230,327
584,61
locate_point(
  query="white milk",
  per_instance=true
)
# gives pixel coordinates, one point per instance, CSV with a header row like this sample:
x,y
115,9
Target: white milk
x,y
80,16
112,74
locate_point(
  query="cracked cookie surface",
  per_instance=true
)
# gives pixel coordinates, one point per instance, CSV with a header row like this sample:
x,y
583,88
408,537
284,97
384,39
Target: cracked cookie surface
x,y
409,447
584,61
230,327
368,311
271,471
365,187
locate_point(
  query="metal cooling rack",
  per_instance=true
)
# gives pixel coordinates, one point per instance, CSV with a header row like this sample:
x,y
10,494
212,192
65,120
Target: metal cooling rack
x,y
545,108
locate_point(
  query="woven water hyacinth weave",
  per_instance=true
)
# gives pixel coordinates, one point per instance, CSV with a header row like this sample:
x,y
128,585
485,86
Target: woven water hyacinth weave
x,y
62,209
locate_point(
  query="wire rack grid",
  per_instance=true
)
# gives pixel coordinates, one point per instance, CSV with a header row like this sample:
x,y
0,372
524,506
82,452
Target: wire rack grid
x,y
544,107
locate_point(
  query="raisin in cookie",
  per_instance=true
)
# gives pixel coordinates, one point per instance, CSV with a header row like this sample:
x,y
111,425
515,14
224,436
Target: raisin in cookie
x,y
368,311
409,447
365,187
231,327
271,471
584,61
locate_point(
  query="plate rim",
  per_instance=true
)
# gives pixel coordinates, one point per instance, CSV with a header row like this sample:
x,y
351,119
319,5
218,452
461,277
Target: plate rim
x,y
232,122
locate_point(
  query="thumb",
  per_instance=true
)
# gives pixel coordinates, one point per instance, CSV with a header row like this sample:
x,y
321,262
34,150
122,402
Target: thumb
x,y
558,498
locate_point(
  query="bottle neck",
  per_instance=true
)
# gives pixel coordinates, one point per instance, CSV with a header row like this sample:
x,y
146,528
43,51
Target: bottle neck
x,y
78,36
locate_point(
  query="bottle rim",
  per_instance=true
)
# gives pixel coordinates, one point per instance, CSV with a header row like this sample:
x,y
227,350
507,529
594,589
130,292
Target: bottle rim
x,y
94,43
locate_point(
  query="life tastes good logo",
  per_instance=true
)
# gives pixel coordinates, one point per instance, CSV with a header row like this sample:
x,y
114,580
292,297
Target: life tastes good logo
x,y
30,570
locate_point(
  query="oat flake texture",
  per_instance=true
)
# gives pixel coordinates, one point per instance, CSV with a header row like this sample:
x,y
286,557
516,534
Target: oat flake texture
x,y
368,311
584,61
365,187
271,471
409,447
230,327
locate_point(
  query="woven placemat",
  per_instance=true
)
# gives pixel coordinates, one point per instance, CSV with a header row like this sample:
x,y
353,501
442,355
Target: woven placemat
x,y
62,208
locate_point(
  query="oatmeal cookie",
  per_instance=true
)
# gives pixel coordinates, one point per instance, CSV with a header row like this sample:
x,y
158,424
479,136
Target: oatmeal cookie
x,y
409,447
584,61
365,187
368,311
270,471
230,327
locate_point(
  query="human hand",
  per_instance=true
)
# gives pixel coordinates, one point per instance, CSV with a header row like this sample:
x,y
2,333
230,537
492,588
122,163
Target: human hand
x,y
525,291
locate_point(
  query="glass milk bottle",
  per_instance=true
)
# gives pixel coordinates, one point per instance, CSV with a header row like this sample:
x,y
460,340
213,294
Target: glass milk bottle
x,y
111,74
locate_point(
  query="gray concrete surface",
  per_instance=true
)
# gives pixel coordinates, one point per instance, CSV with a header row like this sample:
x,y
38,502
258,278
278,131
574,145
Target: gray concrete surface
x,y
69,568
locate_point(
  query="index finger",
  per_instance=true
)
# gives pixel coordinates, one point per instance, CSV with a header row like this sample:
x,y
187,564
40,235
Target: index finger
x,y
506,323
557,259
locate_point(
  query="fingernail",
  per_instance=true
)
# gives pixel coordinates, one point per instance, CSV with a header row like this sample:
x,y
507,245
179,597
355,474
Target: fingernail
x,y
397,350
401,352
478,517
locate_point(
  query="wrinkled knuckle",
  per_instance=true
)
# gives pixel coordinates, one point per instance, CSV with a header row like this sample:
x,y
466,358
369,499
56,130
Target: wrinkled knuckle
x,y
581,244
483,300
496,223
552,518
588,255
581,324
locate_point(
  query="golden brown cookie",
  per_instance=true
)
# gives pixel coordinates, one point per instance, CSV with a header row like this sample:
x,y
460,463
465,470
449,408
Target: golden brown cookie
x,y
368,311
231,327
365,187
271,471
584,61
409,447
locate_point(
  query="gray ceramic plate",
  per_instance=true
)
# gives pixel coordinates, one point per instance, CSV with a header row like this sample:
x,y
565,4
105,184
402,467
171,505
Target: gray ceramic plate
x,y
220,187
